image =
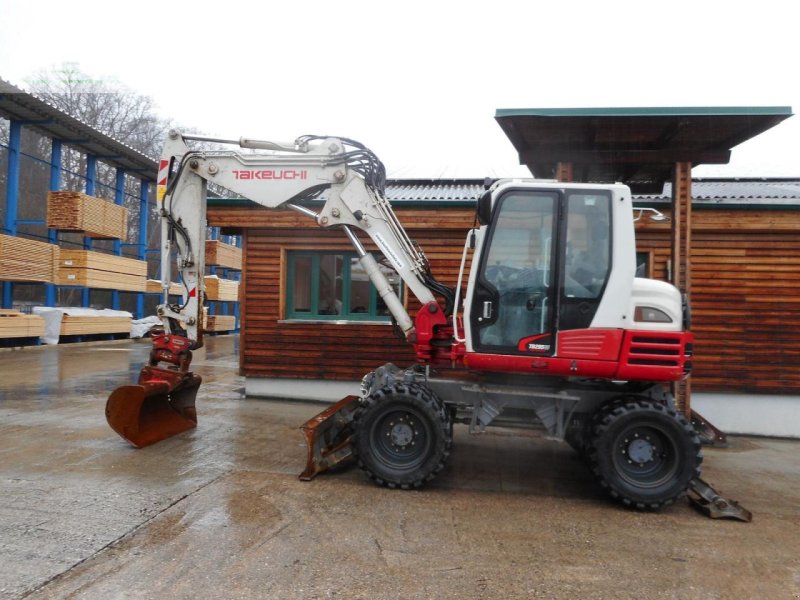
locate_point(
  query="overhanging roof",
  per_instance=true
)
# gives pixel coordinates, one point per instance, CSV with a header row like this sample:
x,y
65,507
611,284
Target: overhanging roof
x,y
637,146
19,105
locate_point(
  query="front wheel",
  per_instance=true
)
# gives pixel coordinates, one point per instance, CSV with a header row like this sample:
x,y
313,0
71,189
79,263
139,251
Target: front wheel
x,y
403,435
644,452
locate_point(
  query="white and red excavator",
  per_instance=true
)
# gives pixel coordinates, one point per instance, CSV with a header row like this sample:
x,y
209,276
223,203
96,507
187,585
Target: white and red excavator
x,y
554,328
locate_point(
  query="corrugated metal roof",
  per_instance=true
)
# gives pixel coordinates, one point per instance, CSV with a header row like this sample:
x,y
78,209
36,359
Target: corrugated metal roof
x,y
19,105
444,190
737,191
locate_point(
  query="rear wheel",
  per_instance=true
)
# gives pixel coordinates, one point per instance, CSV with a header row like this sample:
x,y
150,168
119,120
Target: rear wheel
x,y
403,435
644,452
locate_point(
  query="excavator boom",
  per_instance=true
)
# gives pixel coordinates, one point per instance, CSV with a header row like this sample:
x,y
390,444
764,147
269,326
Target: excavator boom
x,y
275,175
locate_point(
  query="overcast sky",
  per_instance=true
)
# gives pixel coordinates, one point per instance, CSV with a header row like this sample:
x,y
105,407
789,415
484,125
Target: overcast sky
x,y
419,82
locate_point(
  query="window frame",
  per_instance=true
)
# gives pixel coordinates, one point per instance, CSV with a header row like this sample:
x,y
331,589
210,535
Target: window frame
x,y
290,315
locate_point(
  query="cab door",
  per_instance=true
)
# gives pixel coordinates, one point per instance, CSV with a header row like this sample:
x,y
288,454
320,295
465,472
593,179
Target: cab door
x,y
512,307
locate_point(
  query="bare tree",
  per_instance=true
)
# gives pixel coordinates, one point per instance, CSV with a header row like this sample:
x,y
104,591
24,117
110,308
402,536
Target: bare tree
x,y
104,104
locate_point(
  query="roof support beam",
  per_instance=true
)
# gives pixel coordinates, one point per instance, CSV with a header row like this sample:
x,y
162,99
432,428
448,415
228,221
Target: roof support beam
x,y
711,157
681,224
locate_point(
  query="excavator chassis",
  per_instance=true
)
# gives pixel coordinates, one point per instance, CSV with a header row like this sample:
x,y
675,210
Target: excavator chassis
x,y
567,411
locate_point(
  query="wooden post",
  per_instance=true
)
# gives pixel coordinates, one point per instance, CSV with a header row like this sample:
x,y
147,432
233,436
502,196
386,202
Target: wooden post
x,y
564,172
681,255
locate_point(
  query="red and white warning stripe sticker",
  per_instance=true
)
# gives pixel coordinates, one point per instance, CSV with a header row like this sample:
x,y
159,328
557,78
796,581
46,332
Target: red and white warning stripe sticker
x,y
161,183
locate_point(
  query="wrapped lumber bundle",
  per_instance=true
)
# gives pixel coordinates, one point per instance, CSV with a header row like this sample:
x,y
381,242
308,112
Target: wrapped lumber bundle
x,y
224,290
82,321
93,324
219,323
103,271
95,217
27,260
14,324
153,286
223,255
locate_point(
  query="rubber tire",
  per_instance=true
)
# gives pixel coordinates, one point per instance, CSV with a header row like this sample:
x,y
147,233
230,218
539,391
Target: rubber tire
x,y
657,485
404,468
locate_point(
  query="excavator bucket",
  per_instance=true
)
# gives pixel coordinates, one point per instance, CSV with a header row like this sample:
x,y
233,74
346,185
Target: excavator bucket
x,y
152,411
162,404
328,437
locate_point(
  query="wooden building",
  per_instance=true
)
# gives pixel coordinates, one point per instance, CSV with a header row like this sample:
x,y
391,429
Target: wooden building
x,y
745,258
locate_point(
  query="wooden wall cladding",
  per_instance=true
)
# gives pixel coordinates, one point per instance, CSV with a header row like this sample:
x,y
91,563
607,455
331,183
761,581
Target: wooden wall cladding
x,y
323,350
745,307
746,310
22,259
223,255
101,271
95,217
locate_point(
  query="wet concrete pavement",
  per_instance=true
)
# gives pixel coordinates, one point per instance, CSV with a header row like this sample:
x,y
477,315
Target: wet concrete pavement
x,y
218,512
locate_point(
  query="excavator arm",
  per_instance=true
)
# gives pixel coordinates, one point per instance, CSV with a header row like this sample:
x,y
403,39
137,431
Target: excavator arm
x,y
274,176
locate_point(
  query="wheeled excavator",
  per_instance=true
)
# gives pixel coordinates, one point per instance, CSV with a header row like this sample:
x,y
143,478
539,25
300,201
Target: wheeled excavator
x,y
553,329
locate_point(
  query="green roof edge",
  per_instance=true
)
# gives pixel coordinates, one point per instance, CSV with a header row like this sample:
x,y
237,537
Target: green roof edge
x,y
655,111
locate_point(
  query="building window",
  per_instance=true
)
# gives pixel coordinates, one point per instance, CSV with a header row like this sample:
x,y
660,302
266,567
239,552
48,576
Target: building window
x,y
334,286
644,264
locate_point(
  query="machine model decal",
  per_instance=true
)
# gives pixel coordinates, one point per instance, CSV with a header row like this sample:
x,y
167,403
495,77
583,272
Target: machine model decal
x,y
271,174
388,252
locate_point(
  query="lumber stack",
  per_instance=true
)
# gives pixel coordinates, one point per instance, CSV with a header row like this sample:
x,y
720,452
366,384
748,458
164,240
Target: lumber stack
x,y
219,323
153,286
95,217
27,260
103,271
94,324
223,255
14,324
224,290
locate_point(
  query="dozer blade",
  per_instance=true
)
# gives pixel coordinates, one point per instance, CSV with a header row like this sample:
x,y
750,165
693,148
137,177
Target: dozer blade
x,y
707,500
153,411
328,437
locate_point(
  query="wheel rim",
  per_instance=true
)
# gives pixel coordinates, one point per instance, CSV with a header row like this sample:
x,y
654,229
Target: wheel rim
x,y
645,456
401,438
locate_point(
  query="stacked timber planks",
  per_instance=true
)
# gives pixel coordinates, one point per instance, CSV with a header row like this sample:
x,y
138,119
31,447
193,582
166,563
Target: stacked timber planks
x,y
27,260
102,271
219,323
224,290
223,255
14,324
153,286
95,217
77,324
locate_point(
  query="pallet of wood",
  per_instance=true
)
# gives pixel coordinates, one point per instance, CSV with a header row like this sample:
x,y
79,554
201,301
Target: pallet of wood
x,y
94,324
223,255
153,286
14,324
214,323
102,271
94,217
22,259
224,290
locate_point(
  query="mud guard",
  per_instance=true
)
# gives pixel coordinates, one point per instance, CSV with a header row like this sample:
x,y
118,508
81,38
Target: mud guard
x,y
328,437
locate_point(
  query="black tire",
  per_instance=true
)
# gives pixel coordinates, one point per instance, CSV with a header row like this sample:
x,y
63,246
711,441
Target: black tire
x,y
644,453
402,435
